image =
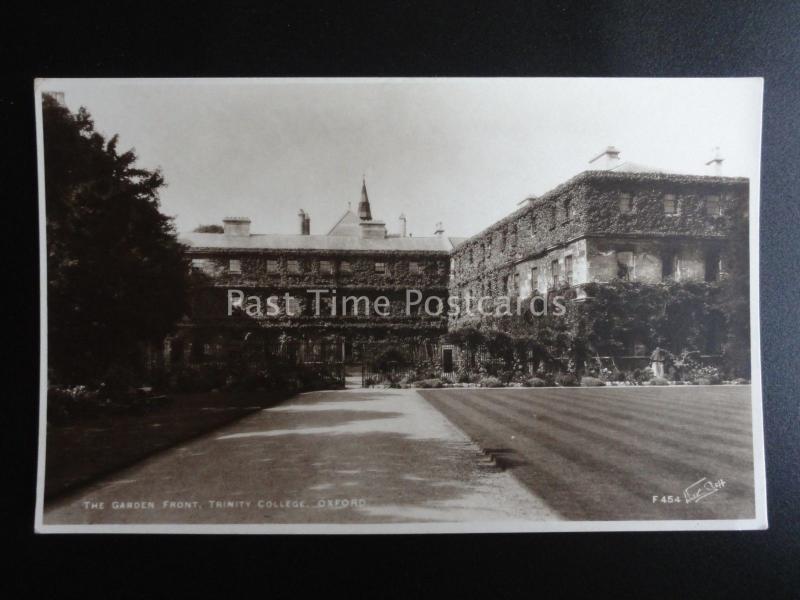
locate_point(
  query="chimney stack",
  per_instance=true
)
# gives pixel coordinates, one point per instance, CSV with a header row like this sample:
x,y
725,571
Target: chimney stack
x,y
607,159
439,229
236,226
305,222
716,162
402,225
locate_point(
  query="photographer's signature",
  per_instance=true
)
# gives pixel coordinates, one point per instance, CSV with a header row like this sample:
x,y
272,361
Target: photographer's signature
x,y
702,488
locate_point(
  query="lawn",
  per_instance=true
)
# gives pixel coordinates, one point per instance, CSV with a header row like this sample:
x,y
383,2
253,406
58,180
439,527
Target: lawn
x,y
618,453
85,448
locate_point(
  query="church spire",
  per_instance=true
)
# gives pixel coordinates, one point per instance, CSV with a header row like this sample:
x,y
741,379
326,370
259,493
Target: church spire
x,y
364,212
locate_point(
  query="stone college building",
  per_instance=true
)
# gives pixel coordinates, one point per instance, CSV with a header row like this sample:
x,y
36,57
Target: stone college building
x,y
616,220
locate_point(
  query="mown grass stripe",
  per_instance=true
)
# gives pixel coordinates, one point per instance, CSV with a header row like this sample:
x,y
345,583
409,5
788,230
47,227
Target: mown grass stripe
x,y
594,470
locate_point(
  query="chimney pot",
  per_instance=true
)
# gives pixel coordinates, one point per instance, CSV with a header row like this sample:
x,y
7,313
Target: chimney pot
x,y
607,159
716,162
304,222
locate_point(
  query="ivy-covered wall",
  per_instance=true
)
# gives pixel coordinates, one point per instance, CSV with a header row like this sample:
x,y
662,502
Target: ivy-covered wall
x,y
359,272
269,276
622,207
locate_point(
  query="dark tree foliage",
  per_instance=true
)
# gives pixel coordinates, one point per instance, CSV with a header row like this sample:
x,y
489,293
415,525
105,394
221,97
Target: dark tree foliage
x,y
117,276
209,229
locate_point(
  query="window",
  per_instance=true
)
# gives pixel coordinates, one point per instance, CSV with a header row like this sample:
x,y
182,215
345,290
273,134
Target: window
x,y
625,203
380,268
668,266
554,274
293,266
199,264
553,216
712,206
272,266
712,266
670,205
534,279
568,209
413,268
568,269
344,267
503,241
471,257
533,225
325,267
235,266
625,265
515,283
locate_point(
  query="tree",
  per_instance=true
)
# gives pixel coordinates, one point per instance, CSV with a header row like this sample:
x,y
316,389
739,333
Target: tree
x,y
209,229
116,274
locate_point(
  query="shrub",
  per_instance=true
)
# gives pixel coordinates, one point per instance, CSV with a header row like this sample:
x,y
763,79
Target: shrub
x,y
658,381
535,382
119,380
566,380
701,381
465,377
428,383
65,402
591,382
741,381
198,379
490,381
505,376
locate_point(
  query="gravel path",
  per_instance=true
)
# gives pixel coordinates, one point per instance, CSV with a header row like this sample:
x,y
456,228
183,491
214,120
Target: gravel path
x,y
350,456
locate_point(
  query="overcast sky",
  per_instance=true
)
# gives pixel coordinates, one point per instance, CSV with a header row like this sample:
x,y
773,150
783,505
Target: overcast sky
x,y
463,152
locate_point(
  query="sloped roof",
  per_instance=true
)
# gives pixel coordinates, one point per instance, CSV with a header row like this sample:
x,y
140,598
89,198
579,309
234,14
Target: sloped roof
x,y
632,167
220,241
347,225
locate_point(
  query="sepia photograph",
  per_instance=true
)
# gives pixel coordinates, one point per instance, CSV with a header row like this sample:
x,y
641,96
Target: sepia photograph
x,y
399,305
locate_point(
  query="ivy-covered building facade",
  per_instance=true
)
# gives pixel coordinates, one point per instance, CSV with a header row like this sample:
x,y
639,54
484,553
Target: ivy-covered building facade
x,y
637,254
620,225
327,295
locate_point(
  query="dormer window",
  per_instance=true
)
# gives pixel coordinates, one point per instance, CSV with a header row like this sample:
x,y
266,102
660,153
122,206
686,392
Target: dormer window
x,y
380,268
293,266
272,266
413,268
235,266
325,267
